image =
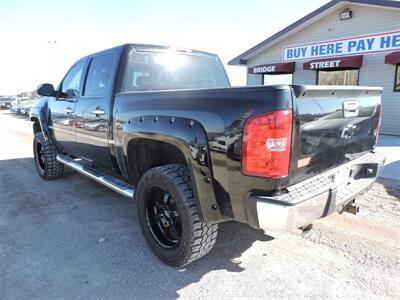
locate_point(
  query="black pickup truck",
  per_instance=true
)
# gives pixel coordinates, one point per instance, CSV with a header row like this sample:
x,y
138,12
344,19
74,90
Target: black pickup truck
x,y
163,126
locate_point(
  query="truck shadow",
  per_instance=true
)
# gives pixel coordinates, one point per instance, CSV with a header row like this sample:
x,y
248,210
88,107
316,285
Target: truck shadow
x,y
95,239
233,240
392,186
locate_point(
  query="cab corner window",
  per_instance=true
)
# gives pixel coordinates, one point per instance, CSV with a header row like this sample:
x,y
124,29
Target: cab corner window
x,y
73,78
397,79
99,75
338,77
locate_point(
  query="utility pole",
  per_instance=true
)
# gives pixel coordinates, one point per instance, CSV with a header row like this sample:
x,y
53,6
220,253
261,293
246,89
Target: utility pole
x,y
53,53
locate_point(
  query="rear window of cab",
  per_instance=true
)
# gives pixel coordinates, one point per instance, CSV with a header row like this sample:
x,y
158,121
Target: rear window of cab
x,y
173,70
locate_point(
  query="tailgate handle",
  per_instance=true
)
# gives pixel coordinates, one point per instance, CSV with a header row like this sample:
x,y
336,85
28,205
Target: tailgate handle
x,y
350,109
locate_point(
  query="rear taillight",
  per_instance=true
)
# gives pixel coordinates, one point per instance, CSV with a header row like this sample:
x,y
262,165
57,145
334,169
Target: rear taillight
x,y
266,144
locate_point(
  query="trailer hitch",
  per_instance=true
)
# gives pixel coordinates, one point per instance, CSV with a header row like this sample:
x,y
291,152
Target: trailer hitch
x,y
351,208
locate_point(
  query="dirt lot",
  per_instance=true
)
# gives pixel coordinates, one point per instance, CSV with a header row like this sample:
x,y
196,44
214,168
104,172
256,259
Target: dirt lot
x,y
73,238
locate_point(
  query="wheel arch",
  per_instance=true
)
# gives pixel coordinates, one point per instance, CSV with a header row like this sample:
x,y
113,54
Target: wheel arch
x,y
40,117
36,125
152,141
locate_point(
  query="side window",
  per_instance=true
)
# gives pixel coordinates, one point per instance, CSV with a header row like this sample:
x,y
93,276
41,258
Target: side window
x,y
99,75
73,79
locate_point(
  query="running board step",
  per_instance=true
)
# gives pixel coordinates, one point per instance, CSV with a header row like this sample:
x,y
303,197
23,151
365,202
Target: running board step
x,y
109,181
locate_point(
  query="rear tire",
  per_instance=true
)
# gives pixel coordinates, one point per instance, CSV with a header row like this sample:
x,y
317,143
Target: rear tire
x,y
45,156
169,216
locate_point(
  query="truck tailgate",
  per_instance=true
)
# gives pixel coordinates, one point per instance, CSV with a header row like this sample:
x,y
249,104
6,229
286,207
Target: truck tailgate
x,y
333,125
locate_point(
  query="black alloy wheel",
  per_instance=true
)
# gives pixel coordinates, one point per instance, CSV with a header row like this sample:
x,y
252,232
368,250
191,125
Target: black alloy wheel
x,y
41,161
163,218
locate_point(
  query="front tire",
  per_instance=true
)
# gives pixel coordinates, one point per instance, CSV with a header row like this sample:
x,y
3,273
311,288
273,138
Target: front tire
x,y
169,216
45,156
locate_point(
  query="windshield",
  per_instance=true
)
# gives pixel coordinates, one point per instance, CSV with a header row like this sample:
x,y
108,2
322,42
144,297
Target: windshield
x,y
172,70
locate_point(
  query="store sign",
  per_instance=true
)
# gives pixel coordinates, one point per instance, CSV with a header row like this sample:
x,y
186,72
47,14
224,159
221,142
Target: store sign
x,y
328,64
273,68
264,69
350,46
343,62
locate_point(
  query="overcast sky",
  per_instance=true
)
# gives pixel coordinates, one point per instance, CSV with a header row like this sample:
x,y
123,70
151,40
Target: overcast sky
x,y
224,27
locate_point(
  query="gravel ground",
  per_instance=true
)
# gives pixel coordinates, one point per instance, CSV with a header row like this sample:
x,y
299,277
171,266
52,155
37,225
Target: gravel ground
x,y
73,238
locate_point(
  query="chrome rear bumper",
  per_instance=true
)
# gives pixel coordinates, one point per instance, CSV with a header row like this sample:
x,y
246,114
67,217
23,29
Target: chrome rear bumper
x,y
316,197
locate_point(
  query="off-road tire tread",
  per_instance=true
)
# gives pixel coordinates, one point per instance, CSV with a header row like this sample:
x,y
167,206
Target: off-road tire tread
x,y
204,235
54,169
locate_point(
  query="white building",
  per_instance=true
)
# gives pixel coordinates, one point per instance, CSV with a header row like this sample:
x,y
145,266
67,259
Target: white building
x,y
353,42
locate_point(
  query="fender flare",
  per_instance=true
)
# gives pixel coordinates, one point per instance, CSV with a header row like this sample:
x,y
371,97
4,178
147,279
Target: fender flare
x,y
41,114
189,137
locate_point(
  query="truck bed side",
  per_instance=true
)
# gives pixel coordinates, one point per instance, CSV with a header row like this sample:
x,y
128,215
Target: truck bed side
x,y
222,114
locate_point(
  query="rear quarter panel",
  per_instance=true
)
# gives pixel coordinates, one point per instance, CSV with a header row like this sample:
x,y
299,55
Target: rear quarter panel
x,y
222,113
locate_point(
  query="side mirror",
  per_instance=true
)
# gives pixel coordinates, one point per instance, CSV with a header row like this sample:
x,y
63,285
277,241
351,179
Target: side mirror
x,y
71,93
45,89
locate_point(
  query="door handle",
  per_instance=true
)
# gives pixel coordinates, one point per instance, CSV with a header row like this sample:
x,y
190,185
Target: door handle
x,y
69,110
98,111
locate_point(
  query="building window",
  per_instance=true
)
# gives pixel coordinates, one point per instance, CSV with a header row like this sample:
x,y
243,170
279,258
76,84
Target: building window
x,y
397,79
338,77
269,79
